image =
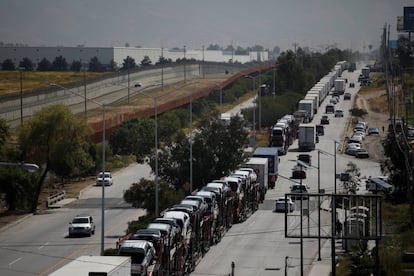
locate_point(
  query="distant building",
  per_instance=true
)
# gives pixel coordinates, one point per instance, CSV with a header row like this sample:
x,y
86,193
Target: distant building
x,y
106,54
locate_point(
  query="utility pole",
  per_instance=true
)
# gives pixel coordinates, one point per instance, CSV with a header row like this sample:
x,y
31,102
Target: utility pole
x,y
185,61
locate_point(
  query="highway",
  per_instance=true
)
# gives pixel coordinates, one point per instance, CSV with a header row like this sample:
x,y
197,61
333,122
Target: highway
x,y
258,246
39,244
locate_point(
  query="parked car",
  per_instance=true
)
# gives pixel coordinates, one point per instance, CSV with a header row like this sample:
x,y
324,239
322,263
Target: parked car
x,y
373,131
104,179
137,84
362,153
81,226
339,113
355,139
359,133
283,204
352,148
324,120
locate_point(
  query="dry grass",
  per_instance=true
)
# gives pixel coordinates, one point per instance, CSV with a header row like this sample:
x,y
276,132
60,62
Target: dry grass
x,y
10,80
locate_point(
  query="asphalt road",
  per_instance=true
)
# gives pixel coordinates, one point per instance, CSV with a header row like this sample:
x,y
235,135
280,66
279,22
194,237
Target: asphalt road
x,y
40,244
258,246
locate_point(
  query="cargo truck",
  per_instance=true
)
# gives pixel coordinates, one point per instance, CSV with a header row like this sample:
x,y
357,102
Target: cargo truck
x,y
96,265
260,166
339,87
307,136
308,106
273,163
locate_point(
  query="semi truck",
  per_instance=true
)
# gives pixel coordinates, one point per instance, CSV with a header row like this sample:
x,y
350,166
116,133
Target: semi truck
x,y
261,168
272,156
340,85
308,106
96,265
307,137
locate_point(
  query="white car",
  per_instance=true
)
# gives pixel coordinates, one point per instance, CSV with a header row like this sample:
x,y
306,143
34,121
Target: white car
x,y
104,179
81,225
352,148
137,84
359,133
283,204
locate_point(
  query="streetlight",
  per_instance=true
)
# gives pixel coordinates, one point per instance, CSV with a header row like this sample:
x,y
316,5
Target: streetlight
x,y
254,108
103,159
21,95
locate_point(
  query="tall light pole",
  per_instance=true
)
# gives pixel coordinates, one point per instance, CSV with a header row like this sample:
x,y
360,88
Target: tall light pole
x,y
191,142
21,97
102,105
185,61
254,108
128,61
162,67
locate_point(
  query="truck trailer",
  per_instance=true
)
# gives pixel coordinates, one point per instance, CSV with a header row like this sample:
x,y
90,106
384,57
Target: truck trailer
x,y
96,265
271,154
307,136
260,166
339,87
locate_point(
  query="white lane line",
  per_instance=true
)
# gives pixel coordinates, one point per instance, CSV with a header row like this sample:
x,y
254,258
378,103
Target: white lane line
x,y
40,247
15,261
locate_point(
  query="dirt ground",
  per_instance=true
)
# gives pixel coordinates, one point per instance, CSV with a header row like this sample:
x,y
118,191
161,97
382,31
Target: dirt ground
x,y
374,101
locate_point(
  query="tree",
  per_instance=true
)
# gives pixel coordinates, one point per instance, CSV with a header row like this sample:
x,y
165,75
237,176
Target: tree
x,y
213,47
18,187
59,64
55,138
353,181
163,60
129,63
8,65
142,194
44,65
27,64
217,149
76,66
4,132
146,61
112,65
95,65
133,136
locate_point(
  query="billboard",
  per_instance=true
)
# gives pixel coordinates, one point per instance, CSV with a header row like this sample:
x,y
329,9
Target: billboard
x,y
409,19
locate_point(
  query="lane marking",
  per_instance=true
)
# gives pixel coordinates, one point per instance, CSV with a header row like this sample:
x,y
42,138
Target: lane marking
x,y
40,247
15,261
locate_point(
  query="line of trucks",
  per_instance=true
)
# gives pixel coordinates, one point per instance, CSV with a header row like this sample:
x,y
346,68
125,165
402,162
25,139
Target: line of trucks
x,y
299,125
175,242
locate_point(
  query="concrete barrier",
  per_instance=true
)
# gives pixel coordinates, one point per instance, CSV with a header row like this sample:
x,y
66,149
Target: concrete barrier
x,y
55,198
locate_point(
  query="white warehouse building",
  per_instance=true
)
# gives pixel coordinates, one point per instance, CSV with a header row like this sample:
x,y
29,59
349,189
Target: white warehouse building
x,y
106,54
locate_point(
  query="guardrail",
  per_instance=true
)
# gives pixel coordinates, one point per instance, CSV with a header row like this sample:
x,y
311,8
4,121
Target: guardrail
x,y
55,198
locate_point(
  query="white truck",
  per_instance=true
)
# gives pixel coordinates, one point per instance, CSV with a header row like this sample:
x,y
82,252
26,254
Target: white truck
x,y
339,87
307,137
261,168
315,99
96,265
308,106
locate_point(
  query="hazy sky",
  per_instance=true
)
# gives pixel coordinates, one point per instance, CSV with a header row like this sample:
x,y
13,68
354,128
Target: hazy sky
x,y
194,23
